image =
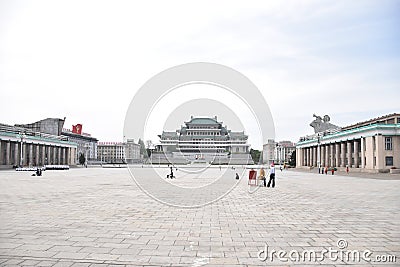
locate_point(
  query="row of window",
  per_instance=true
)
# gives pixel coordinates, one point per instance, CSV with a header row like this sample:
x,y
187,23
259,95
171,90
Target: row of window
x,y
203,127
204,133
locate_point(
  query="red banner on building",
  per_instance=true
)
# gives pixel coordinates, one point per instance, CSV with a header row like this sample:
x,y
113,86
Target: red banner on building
x,y
77,129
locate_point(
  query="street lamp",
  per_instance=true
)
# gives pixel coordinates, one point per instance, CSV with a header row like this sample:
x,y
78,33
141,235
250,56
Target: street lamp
x,y
102,155
319,152
87,147
22,136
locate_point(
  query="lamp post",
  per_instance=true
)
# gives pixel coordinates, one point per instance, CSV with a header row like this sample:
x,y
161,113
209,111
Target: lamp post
x,y
87,147
22,136
102,157
319,152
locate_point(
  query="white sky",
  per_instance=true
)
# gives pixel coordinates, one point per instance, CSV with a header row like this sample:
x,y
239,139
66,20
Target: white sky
x,y
85,59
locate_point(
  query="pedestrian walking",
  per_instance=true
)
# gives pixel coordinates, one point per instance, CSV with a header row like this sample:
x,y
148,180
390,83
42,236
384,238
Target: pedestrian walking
x,y
326,170
271,176
333,171
347,169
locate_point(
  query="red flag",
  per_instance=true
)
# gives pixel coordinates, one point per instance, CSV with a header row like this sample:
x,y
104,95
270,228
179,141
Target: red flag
x,y
77,128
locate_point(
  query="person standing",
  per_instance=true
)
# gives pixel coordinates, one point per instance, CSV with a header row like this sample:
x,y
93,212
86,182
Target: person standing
x,y
262,176
271,176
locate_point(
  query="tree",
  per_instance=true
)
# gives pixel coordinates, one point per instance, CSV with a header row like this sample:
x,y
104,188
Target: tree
x,y
149,147
255,155
292,161
82,159
143,150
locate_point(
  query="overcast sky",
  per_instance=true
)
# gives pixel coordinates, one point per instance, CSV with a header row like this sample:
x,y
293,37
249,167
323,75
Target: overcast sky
x,y
85,59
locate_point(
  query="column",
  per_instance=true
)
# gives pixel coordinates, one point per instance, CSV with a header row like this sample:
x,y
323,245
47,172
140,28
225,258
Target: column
x,y
59,155
312,156
304,156
309,156
67,157
30,156
379,153
327,155
54,154
315,156
48,155
356,154
337,154
1,152
43,157
37,156
342,154
322,155
8,150
16,154
349,154
332,155
362,152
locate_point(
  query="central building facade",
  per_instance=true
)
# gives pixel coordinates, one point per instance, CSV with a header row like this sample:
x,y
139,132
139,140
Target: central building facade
x,y
203,139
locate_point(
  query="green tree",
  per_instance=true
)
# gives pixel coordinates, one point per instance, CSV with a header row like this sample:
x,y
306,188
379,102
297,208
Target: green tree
x,y
255,155
292,160
143,150
149,147
82,159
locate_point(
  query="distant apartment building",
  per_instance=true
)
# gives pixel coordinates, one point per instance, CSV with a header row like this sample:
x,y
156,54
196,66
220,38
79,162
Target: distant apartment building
x,y
278,152
269,152
118,152
284,151
132,152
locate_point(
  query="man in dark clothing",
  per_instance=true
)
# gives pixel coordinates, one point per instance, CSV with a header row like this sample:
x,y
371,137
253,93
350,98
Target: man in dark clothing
x,y
271,176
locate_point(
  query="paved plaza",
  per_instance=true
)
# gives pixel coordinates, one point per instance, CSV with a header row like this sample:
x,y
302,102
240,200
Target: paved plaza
x,y
101,217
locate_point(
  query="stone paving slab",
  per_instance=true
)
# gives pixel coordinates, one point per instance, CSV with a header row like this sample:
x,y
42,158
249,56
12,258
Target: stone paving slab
x,y
99,217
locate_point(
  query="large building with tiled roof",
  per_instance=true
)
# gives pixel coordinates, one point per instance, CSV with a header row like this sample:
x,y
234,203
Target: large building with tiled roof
x,y
371,146
204,139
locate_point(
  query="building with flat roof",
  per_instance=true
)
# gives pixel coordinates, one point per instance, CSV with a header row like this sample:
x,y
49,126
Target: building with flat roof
x,y
132,152
278,152
86,144
35,145
119,152
203,139
269,154
370,146
111,152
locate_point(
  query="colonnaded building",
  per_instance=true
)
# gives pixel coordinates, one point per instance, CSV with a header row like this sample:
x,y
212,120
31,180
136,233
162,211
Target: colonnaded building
x,y
36,144
202,140
369,146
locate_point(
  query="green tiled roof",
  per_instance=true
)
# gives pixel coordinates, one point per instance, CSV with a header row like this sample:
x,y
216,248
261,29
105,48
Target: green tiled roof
x,y
203,121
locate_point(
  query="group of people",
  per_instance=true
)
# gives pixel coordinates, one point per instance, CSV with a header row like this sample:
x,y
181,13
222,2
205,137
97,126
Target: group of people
x,y
271,176
325,170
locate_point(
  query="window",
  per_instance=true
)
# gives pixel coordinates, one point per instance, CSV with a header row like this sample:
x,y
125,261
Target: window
x,y
388,143
389,161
